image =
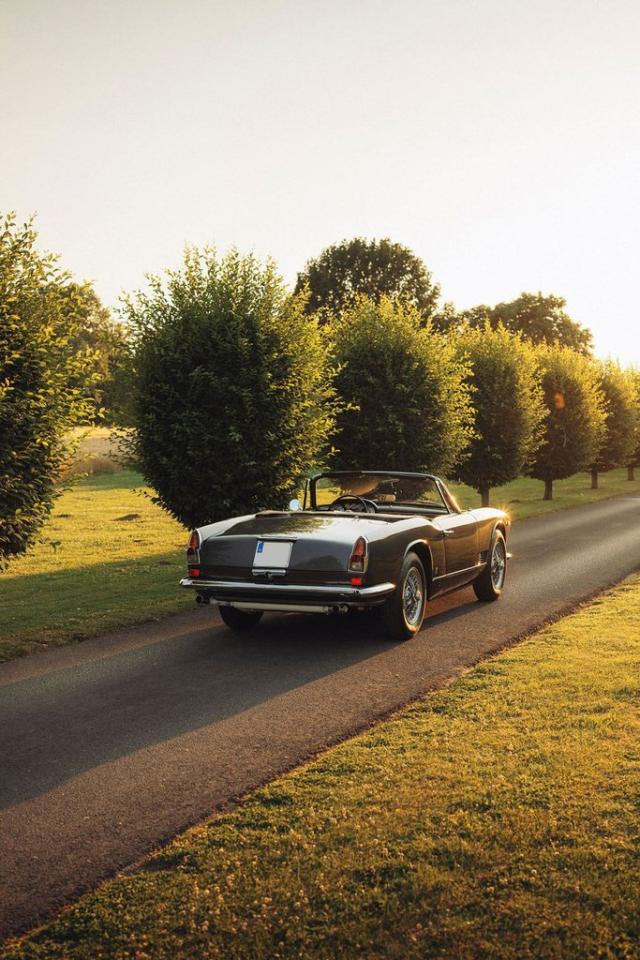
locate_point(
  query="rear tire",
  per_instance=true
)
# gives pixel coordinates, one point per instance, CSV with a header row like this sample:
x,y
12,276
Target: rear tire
x,y
404,612
490,583
239,620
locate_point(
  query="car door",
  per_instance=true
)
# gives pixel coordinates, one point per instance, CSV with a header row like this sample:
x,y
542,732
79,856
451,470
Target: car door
x,y
461,549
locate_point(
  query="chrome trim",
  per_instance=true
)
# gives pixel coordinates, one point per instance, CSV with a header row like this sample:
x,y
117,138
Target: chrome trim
x,y
280,607
279,537
457,573
339,590
440,486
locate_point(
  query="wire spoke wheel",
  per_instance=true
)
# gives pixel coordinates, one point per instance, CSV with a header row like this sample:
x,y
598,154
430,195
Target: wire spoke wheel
x,y
498,564
413,597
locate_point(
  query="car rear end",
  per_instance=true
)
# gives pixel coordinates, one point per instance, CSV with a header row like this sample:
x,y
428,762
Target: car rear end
x,y
261,566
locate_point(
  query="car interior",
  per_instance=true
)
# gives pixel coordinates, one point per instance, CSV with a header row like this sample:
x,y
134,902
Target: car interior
x,y
381,494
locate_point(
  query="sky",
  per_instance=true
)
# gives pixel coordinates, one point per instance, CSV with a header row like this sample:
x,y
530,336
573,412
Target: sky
x,y
499,139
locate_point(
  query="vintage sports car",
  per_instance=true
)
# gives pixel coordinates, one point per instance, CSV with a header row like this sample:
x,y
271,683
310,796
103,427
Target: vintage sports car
x,y
361,539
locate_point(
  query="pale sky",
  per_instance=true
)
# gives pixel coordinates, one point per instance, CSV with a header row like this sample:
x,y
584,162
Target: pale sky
x,y
499,139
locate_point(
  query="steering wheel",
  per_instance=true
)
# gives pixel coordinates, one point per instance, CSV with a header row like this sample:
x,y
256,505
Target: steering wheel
x,y
367,506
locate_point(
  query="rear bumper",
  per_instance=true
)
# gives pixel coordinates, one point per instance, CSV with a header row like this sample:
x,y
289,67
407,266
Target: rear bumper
x,y
288,596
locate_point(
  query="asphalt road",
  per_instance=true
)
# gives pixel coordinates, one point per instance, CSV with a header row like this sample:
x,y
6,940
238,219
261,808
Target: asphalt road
x,y
112,746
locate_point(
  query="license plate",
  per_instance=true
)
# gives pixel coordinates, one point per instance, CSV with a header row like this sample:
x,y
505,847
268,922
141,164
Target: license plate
x,y
273,553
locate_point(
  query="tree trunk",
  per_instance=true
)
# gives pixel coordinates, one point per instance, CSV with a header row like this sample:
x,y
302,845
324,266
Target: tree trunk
x,y
631,472
594,478
548,489
484,495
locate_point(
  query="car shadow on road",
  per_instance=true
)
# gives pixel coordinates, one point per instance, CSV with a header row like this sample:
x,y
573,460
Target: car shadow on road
x,y
65,722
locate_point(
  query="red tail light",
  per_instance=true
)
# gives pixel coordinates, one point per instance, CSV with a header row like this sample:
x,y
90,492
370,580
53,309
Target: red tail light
x,y
358,559
193,549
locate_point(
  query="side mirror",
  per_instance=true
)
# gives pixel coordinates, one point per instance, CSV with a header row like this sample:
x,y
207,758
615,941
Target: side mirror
x,y
295,504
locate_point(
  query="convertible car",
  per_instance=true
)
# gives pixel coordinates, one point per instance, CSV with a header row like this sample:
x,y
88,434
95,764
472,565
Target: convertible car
x,y
360,539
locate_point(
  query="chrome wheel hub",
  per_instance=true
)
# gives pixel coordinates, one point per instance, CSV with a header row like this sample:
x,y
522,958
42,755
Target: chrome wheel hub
x,y
498,565
413,597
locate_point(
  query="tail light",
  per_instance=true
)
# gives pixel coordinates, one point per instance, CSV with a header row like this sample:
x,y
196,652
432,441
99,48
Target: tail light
x,y
358,560
193,549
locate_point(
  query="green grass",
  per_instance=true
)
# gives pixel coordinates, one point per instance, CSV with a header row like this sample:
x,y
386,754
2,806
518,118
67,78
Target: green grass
x,y
523,497
497,818
96,572
107,573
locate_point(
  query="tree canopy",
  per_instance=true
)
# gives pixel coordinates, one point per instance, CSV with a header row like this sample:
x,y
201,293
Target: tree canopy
x,y
233,400
406,403
634,374
619,438
41,314
537,317
371,268
508,407
105,340
575,416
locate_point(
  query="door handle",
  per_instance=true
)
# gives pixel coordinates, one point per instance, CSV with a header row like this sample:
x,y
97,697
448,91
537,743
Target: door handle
x,y
448,533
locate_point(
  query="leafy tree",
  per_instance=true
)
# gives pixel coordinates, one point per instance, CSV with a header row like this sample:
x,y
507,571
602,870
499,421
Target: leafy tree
x,y
371,268
233,399
447,319
539,318
40,315
105,340
620,438
509,408
634,459
574,421
406,403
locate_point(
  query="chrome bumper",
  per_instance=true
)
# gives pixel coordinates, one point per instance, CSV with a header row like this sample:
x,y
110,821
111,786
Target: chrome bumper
x,y
275,595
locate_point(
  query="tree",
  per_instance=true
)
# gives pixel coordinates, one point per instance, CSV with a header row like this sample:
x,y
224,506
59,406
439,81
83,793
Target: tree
x,y
634,459
447,319
372,268
233,400
40,315
619,438
406,405
539,318
105,340
509,408
574,421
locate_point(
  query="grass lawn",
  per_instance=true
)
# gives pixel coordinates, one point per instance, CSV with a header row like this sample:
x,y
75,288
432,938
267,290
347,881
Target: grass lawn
x,y
523,497
107,572
496,818
101,572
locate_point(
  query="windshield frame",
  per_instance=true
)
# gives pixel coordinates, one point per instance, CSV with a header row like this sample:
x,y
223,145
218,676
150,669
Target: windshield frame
x,y
445,496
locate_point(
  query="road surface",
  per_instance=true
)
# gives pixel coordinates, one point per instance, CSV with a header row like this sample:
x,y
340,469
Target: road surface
x,y
110,747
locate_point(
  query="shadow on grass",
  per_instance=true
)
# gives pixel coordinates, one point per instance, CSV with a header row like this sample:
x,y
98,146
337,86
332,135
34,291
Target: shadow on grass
x,y
56,606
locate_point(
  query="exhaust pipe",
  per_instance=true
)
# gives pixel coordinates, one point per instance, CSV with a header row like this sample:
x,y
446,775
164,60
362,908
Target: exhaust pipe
x,y
201,599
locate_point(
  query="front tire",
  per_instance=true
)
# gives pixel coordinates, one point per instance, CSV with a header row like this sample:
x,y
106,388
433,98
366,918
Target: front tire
x,y
404,612
239,620
490,583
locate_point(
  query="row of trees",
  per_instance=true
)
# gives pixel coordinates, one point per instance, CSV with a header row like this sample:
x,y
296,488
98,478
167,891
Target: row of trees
x,y
241,392
235,389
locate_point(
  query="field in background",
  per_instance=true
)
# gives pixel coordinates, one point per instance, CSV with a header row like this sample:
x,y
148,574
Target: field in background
x,y
113,558
97,452
496,818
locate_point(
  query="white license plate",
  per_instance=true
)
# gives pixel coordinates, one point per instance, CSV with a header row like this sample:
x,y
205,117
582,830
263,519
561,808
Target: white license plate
x,y
273,553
